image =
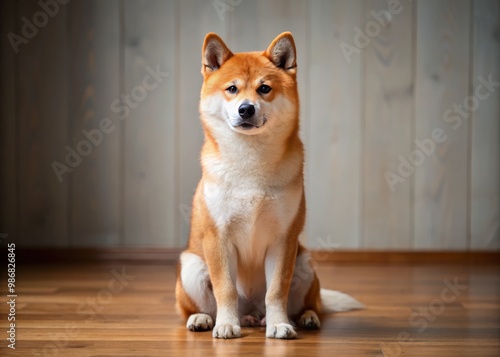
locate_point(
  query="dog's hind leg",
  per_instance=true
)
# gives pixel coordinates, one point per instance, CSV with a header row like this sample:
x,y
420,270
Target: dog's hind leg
x,y
304,300
194,295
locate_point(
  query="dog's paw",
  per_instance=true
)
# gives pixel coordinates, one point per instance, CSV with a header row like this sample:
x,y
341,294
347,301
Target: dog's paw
x,y
226,331
309,320
249,321
283,331
199,322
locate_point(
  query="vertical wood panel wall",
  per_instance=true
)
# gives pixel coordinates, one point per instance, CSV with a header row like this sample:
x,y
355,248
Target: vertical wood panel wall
x,y
388,97
94,81
44,123
150,139
333,160
484,128
442,80
125,75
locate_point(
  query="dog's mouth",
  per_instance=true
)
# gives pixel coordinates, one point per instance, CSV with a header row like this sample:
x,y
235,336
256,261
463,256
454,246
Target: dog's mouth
x,y
250,125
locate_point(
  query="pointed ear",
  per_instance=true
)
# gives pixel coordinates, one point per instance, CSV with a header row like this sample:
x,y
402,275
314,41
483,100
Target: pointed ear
x,y
214,53
282,52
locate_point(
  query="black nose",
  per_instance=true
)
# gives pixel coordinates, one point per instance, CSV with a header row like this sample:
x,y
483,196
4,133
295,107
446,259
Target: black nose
x,y
246,110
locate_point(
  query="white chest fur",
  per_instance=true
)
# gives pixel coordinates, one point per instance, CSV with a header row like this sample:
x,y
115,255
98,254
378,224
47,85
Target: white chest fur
x,y
247,207
251,213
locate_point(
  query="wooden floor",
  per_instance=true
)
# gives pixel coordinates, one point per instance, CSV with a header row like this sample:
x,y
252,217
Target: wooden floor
x,y
84,310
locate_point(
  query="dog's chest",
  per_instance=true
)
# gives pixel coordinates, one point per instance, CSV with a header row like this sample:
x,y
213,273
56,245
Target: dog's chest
x,y
246,210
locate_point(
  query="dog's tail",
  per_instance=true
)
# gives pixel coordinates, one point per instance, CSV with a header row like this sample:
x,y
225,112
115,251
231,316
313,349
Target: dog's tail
x,y
335,301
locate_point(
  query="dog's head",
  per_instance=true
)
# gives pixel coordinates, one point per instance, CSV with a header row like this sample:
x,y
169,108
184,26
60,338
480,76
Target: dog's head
x,y
249,93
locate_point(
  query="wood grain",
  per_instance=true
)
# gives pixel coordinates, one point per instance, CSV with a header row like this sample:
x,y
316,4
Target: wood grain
x,y
485,126
335,131
94,58
151,140
70,311
388,127
43,131
442,71
8,120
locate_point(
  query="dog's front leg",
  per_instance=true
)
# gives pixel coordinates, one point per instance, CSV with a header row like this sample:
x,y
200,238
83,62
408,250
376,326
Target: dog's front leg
x,y
222,265
280,263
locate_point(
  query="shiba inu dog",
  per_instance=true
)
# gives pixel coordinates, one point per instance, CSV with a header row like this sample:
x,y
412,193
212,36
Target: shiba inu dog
x,y
244,265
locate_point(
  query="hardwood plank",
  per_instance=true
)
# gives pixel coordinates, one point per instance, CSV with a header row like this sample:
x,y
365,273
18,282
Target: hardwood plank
x,y
8,120
197,18
94,51
43,131
58,322
151,140
100,254
485,126
388,126
334,153
442,70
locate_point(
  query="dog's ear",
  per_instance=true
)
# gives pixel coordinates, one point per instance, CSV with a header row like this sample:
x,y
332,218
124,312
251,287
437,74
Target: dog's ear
x,y
214,53
282,52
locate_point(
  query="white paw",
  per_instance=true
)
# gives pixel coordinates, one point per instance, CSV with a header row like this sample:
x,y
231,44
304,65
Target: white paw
x,y
226,331
309,320
199,322
283,331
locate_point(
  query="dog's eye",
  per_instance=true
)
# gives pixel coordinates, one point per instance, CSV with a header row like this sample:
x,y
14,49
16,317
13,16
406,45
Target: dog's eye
x,y
232,89
264,89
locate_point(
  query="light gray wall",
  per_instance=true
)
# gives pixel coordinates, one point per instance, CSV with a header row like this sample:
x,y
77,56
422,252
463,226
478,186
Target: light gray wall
x,y
362,113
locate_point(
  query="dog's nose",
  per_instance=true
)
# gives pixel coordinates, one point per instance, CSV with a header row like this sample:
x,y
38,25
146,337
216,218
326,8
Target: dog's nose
x,y
246,110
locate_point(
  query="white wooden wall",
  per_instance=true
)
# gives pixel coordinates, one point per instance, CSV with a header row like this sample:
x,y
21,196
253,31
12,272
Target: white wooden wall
x,y
360,117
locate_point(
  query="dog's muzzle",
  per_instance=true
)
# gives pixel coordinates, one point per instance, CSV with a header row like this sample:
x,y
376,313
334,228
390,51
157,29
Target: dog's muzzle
x,y
247,119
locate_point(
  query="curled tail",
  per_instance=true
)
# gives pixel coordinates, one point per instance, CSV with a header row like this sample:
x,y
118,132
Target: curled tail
x,y
335,301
